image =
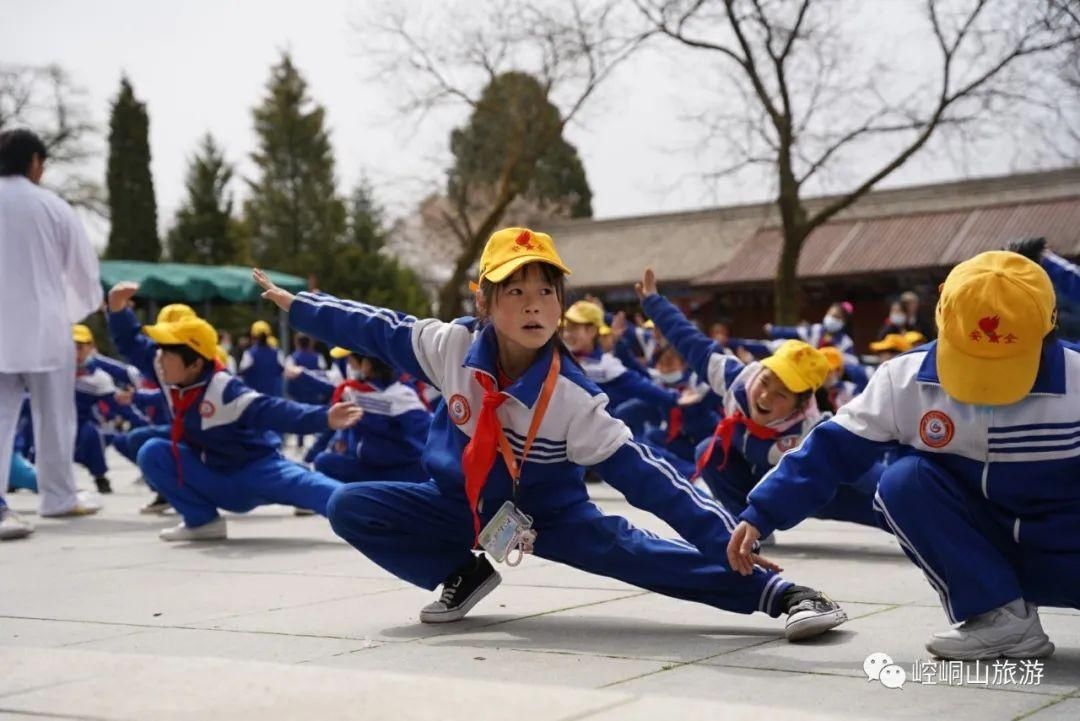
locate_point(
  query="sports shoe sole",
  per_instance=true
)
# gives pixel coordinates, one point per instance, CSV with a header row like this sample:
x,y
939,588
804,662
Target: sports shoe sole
x,y
461,611
1037,647
814,625
74,512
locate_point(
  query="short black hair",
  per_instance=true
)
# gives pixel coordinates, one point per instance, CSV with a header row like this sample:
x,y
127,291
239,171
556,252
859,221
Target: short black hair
x,y
381,371
303,342
187,354
17,149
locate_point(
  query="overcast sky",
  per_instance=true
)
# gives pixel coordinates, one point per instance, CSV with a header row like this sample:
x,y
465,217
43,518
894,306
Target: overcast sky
x,y
201,65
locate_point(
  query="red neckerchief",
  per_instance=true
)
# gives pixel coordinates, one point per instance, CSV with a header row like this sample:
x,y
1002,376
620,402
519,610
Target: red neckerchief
x,y
181,402
478,458
725,431
358,386
674,424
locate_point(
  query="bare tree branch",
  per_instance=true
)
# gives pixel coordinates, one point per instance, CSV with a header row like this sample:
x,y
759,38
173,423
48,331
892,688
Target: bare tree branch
x,y
789,59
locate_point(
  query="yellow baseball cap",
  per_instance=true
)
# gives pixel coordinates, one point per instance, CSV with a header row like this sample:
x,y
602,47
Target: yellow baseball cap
x,y
81,334
798,365
585,313
834,356
195,333
272,341
510,248
993,313
914,337
892,341
174,312
337,352
222,355
261,327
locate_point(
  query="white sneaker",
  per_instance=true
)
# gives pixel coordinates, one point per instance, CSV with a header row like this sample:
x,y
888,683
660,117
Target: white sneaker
x,y
1012,630
813,616
212,531
86,504
12,525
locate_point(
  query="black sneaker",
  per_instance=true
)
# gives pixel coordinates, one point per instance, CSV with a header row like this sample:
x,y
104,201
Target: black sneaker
x,y
156,507
103,485
461,591
810,613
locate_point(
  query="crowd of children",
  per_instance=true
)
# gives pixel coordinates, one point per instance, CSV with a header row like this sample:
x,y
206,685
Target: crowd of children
x,y
439,444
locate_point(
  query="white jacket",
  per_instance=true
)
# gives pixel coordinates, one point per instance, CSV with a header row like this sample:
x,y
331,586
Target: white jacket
x,y
49,277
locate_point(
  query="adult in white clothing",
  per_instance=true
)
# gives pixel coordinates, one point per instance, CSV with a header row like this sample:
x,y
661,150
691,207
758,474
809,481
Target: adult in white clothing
x,y
49,279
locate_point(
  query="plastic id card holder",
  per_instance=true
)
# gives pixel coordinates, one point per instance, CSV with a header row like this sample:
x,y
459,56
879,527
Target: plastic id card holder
x,y
508,529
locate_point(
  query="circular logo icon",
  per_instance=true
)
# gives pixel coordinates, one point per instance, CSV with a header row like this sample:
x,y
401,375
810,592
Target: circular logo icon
x,y
936,429
206,409
786,443
458,408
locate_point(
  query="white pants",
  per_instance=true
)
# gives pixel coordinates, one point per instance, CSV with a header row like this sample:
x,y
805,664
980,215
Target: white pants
x,y
52,403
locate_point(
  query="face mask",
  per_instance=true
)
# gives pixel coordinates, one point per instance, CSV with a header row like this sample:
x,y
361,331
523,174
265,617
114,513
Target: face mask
x,y
897,318
832,324
355,374
671,378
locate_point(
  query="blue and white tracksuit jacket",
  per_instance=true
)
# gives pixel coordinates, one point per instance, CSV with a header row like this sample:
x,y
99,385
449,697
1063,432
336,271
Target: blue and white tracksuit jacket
x,y
751,457
984,499
620,384
1064,275
229,455
387,443
261,367
423,532
313,363
94,403
817,336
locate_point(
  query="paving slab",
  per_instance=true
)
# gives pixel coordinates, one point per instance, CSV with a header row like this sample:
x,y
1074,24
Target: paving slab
x,y
100,620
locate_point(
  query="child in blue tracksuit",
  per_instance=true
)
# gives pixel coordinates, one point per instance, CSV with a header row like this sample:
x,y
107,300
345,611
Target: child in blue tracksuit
x,y
399,426
832,330
262,364
768,407
985,497
95,399
223,451
388,441
514,399
625,389
306,359
633,397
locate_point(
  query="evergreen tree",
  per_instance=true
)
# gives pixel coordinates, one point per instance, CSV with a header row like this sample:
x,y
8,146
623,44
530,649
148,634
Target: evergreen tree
x,y
511,149
132,208
295,215
361,268
514,137
205,231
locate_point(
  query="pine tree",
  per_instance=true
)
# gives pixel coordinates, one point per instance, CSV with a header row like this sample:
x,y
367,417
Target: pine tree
x,y
361,268
132,208
295,214
205,231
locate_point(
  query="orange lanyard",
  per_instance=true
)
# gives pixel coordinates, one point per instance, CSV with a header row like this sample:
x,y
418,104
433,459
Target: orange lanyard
x,y
513,464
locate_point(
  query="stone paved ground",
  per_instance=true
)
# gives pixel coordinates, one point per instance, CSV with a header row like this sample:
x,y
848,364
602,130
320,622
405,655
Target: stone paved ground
x,y
101,620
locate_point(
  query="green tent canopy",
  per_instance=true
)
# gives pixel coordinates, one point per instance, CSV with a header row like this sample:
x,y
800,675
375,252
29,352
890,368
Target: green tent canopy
x,y
187,283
